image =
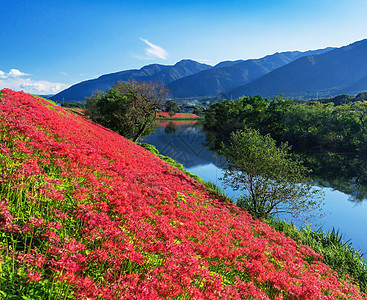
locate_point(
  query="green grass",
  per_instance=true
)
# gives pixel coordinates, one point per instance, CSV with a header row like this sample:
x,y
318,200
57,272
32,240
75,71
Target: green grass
x,y
48,100
337,253
212,186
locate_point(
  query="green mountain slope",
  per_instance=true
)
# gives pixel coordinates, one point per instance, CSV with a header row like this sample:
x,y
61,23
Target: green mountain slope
x,y
325,74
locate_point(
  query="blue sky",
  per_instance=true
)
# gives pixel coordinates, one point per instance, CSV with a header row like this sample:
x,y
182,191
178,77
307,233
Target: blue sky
x,y
47,45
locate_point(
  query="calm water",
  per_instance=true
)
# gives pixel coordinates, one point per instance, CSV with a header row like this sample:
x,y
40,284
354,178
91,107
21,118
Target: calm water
x,y
185,142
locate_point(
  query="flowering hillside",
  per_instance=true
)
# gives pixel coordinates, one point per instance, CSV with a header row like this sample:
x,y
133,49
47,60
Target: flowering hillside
x,y
87,214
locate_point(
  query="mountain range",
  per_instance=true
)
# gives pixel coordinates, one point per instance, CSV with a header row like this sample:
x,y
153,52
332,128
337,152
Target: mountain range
x,y
226,76
157,73
330,73
322,72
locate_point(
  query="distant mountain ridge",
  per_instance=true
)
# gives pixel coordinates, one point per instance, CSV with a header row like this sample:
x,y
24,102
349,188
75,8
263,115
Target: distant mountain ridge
x,y
357,87
155,72
326,73
323,72
228,75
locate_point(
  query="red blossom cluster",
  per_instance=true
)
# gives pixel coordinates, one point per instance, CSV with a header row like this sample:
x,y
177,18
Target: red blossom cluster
x,y
177,115
113,221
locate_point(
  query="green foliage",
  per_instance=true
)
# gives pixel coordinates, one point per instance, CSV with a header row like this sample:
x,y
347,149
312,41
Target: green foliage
x,y
337,253
336,124
171,107
339,100
48,100
129,108
362,96
198,110
16,285
212,186
270,180
228,116
149,147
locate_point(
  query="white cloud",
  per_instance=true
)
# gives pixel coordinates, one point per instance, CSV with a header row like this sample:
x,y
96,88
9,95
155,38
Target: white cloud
x,y
154,50
16,73
15,80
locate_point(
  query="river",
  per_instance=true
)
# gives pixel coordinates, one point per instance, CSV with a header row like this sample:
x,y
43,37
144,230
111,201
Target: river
x,y
345,200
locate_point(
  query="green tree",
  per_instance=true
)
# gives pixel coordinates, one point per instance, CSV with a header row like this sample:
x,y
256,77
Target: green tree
x,y
129,108
270,180
198,110
362,96
171,107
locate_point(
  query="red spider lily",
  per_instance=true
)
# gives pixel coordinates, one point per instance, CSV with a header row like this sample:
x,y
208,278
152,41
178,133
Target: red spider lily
x,y
112,220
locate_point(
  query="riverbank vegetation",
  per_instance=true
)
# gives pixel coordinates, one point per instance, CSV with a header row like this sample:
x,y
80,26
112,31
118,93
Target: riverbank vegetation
x,y
270,181
308,125
317,127
87,214
337,252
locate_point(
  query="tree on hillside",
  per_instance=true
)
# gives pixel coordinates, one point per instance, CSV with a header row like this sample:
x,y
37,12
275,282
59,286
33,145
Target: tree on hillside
x,y
270,180
171,107
129,108
198,110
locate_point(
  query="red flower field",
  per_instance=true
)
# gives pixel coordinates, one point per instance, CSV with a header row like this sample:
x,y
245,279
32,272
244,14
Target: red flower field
x,y
87,214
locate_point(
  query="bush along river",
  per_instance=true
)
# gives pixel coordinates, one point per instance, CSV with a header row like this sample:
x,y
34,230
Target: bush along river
x,y
342,178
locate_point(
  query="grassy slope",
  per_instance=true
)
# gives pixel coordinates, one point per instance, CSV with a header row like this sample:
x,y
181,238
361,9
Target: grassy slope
x,y
84,213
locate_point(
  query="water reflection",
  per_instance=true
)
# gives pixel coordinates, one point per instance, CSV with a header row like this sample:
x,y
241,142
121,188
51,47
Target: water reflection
x,y
184,141
343,177
343,172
